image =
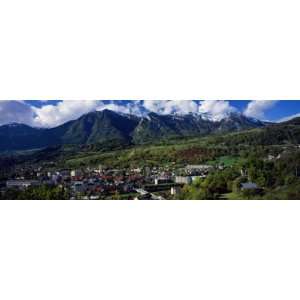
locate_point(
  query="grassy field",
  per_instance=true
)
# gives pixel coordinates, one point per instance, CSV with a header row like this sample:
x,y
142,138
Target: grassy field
x,y
231,196
227,161
185,151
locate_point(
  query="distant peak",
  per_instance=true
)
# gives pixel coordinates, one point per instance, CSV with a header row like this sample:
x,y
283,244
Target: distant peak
x,y
14,124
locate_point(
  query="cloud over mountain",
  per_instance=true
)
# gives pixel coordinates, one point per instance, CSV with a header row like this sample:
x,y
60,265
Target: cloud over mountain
x,y
50,115
257,108
54,113
16,111
218,110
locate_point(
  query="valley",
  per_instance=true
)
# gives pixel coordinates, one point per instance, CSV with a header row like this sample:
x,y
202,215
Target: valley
x,y
258,162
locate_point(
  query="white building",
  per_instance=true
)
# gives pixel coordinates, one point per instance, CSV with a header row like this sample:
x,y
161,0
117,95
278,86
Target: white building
x,y
200,168
175,190
183,179
55,178
21,184
63,173
161,180
75,173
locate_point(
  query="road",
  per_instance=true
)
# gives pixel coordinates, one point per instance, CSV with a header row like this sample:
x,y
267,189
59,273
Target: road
x,y
153,196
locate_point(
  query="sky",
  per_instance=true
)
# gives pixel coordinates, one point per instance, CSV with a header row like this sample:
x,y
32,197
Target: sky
x,y
51,113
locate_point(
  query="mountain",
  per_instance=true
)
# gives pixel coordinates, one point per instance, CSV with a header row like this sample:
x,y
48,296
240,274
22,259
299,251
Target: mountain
x,y
98,127
19,136
108,126
156,126
271,134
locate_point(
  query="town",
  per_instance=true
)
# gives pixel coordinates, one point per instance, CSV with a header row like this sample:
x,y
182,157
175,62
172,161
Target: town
x,y
250,175
101,182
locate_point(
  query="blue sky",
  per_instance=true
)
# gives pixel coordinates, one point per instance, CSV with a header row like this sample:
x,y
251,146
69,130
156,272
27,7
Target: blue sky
x,y
51,113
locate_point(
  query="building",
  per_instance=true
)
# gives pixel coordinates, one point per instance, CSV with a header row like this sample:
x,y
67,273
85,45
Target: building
x,y
175,190
55,178
183,179
100,169
76,173
198,169
136,170
21,184
244,172
161,180
64,173
79,187
271,157
249,186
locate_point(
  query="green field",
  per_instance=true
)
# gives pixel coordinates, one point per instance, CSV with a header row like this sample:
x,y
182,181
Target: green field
x,y
227,161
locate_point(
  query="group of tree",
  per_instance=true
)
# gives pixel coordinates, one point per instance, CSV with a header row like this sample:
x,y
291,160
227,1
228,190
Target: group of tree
x,y
43,192
277,178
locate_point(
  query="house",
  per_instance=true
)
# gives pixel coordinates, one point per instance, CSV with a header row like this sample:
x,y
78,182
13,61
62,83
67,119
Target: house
x,y
100,169
183,179
175,190
161,180
249,186
76,173
244,172
79,187
63,173
55,178
136,170
21,184
198,169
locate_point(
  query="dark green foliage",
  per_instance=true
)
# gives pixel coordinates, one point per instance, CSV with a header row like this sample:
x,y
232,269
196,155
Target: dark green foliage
x,y
36,193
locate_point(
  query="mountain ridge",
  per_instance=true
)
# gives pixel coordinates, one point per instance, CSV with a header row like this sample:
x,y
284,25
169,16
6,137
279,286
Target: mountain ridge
x,y
107,125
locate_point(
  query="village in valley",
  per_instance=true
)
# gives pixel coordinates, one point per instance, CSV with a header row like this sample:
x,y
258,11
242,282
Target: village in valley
x,y
226,177
101,182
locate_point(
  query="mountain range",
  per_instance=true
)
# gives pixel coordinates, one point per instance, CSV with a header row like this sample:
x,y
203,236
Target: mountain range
x,y
109,126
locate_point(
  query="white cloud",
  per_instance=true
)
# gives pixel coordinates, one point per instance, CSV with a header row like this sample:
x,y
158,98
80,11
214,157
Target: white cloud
x,y
289,118
56,114
51,115
132,107
16,112
216,109
257,108
171,106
